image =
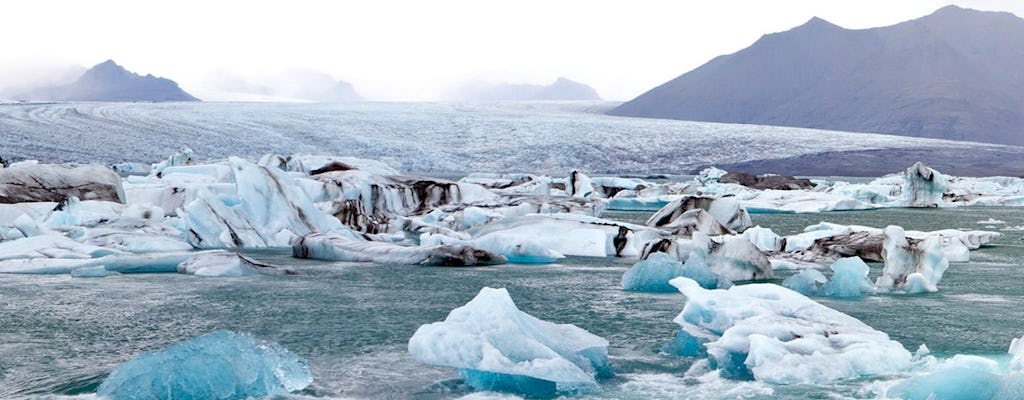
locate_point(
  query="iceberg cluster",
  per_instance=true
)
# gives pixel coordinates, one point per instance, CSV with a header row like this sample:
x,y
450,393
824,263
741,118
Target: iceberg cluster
x,y
497,347
218,365
772,334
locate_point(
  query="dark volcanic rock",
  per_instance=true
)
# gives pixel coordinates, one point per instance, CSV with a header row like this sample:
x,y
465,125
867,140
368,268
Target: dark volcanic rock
x,y
108,81
953,75
775,182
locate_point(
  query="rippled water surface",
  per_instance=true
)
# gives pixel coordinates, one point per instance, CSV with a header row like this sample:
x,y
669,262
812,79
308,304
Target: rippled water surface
x,y
61,335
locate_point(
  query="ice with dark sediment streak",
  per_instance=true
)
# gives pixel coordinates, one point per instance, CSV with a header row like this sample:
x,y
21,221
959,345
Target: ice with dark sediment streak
x,y
218,365
495,346
267,209
771,334
911,266
350,247
221,263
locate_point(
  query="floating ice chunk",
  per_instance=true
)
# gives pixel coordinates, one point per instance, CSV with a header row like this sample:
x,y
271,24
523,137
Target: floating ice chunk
x,y
961,377
135,242
911,267
653,274
516,249
806,282
923,186
799,201
849,279
574,234
710,175
736,259
495,346
98,271
727,211
991,221
579,185
338,247
180,157
49,182
218,365
118,262
775,335
50,246
764,239
220,263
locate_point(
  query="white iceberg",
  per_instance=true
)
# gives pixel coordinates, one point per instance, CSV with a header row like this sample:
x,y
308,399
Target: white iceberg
x,y
267,210
495,346
911,267
218,365
772,334
220,263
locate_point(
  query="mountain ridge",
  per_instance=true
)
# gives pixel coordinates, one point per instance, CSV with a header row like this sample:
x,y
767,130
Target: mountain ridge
x,y
949,75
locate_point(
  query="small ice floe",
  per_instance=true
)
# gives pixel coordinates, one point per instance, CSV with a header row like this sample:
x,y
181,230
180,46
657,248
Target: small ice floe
x,y
991,221
497,347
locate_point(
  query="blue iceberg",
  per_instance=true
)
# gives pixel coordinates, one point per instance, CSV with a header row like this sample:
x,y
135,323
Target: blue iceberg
x,y
849,279
653,274
496,347
218,365
807,282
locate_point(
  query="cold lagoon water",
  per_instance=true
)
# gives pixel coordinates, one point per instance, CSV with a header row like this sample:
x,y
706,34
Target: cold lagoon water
x,y
61,336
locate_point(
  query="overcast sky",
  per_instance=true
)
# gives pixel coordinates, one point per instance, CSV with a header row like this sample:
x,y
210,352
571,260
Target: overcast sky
x,y
415,50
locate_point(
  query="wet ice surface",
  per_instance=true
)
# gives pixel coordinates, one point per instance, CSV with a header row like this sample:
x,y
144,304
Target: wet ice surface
x,y
352,321
423,137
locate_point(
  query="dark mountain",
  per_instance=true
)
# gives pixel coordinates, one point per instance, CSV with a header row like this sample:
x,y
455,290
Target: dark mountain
x,y
955,74
561,89
108,81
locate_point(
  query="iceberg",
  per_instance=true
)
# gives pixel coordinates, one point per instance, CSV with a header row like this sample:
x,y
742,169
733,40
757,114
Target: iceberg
x,y
849,279
807,282
653,273
774,335
579,185
573,234
268,209
98,271
515,249
218,365
923,186
497,347
317,164
727,211
337,247
911,266
30,182
225,263
736,259
961,377
368,203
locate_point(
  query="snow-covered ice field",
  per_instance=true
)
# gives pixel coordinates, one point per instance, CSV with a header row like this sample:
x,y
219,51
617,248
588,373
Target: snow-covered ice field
x,y
444,138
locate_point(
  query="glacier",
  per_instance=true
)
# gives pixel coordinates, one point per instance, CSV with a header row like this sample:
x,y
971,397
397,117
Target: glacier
x,y
217,365
497,347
